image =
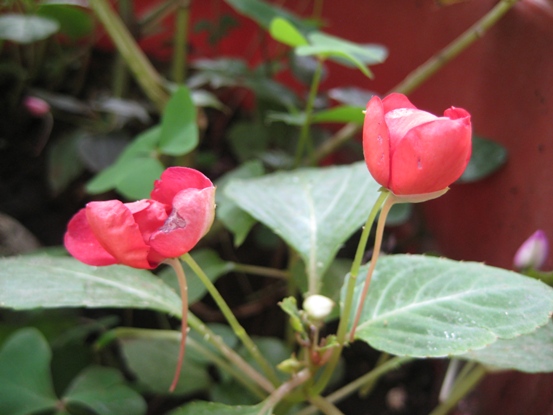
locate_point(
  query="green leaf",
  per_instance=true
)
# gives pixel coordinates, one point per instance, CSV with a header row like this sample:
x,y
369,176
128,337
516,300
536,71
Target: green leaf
x,y
47,282
179,127
212,408
74,21
212,265
103,391
144,146
139,180
26,29
425,306
248,140
340,114
283,31
25,374
315,210
152,356
353,96
343,51
235,219
528,353
487,157
264,13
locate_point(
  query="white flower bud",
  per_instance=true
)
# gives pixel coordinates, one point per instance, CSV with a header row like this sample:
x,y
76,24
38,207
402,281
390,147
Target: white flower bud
x,y
318,307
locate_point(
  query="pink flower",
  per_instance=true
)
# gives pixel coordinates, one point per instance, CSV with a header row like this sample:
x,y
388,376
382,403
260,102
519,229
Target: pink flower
x,y
413,152
144,233
533,252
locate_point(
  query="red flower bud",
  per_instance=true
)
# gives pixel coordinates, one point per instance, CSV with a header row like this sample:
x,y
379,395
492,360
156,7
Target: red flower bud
x,y
144,233
413,152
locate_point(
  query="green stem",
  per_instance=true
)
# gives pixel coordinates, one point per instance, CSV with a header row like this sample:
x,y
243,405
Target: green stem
x,y
261,271
215,340
463,386
181,42
350,388
348,301
304,140
147,77
177,267
284,389
422,73
376,252
324,405
233,322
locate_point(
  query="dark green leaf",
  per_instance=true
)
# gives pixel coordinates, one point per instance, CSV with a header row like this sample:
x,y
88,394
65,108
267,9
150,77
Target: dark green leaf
x,y
26,29
152,356
425,306
25,374
487,157
48,282
179,126
103,391
64,164
74,22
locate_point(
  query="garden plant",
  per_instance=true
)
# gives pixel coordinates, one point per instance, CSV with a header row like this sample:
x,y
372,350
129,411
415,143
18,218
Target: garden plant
x,y
196,180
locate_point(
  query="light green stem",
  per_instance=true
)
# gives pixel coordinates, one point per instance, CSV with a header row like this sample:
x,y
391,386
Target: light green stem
x,y
232,320
304,140
376,253
147,77
261,271
463,386
181,42
324,405
285,389
215,340
126,332
350,388
348,301
422,73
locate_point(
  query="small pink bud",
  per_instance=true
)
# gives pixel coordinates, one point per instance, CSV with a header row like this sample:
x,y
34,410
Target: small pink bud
x,y
533,252
37,107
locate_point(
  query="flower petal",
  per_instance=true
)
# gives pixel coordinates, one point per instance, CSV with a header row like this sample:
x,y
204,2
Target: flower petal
x,y
395,101
431,156
83,245
192,216
175,179
376,142
116,230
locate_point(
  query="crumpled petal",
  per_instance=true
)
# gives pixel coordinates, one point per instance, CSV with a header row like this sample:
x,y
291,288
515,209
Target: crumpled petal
x,y
192,216
116,230
83,245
